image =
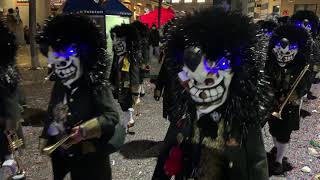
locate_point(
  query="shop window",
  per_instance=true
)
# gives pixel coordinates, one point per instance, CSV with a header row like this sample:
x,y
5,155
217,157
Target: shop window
x,y
187,1
201,1
175,1
309,7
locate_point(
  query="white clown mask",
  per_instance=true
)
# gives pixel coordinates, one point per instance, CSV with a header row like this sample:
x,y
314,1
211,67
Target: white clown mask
x,y
285,52
208,81
119,45
305,24
66,64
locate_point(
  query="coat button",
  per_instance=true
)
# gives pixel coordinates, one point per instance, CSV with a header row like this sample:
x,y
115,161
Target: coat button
x,y
230,164
71,100
69,113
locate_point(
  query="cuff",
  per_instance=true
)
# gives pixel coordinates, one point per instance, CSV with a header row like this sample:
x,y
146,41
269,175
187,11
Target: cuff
x,y
91,129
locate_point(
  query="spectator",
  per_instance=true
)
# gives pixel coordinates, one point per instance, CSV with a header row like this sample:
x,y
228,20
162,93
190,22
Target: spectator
x,y
26,34
154,41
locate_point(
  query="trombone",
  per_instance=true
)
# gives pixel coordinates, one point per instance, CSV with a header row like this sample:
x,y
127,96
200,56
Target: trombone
x,y
295,84
49,149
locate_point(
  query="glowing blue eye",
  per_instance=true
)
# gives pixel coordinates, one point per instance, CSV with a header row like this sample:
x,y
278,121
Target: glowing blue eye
x,y
71,51
278,44
292,47
223,64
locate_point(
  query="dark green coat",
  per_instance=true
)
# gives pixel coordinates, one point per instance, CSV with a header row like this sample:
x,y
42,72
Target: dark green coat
x,y
83,103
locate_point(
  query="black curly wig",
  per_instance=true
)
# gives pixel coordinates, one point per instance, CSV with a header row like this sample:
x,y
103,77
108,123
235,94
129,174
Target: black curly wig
x,y
268,26
309,15
8,73
130,33
142,29
295,35
65,30
218,33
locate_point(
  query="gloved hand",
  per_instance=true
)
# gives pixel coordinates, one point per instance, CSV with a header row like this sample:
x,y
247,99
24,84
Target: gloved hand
x,y
157,94
42,144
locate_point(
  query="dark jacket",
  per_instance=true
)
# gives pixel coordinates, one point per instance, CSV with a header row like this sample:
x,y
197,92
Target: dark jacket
x,y
119,78
154,37
83,102
282,81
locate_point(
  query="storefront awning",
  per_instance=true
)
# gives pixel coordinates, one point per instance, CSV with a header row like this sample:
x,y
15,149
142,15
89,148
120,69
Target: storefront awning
x,y
89,7
114,7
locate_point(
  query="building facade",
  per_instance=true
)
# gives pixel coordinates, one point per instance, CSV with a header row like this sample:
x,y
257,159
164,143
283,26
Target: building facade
x,y
43,9
289,7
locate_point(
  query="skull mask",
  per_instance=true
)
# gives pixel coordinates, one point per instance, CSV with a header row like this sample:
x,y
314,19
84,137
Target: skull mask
x,y
208,81
305,24
285,51
119,45
66,64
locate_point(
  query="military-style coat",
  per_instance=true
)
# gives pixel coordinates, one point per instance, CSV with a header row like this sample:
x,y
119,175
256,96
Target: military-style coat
x,y
80,103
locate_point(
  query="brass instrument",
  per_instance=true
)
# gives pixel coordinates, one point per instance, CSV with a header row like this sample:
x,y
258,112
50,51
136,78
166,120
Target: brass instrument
x,y
14,144
302,73
49,149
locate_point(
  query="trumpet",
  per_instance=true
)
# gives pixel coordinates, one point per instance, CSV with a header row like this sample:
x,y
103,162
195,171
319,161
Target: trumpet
x,y
295,84
15,166
49,149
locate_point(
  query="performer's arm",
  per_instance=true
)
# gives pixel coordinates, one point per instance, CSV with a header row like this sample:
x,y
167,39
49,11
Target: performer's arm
x,y
103,125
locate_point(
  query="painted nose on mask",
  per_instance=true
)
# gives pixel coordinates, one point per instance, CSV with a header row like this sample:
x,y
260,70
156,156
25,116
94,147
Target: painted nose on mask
x,y
284,42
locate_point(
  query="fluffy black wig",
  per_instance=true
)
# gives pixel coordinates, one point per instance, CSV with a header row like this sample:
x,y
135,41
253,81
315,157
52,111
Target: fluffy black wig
x,y
142,29
130,33
219,33
268,26
8,72
296,35
309,15
65,30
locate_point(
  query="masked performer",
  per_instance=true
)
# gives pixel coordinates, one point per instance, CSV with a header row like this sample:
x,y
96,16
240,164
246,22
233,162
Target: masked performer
x,y
225,102
310,21
9,104
125,73
289,52
81,104
144,43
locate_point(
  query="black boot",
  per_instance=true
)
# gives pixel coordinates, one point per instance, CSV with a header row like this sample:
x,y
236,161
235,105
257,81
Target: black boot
x,y
310,96
286,165
276,169
304,113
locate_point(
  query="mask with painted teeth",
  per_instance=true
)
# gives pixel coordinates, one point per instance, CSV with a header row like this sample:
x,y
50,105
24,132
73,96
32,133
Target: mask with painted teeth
x,y
208,81
66,64
119,45
285,52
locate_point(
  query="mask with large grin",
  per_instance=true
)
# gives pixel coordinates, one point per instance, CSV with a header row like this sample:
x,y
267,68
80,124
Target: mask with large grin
x,y
208,81
66,65
285,51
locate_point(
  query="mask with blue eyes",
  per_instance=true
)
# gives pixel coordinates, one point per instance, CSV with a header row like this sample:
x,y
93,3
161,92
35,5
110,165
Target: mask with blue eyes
x,y
66,64
208,81
285,51
304,24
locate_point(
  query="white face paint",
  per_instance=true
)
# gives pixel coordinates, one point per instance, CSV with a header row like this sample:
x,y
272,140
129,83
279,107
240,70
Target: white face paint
x,y
119,45
285,52
209,84
67,65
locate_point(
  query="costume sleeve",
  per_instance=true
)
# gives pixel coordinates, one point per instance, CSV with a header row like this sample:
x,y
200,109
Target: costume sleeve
x,y
49,118
108,116
162,77
10,109
135,73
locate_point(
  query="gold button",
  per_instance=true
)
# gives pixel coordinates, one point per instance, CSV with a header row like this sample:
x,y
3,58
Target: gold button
x,y
69,113
230,164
